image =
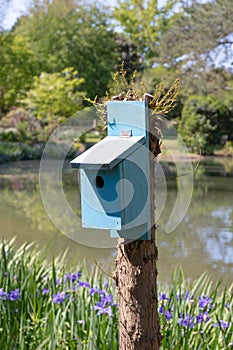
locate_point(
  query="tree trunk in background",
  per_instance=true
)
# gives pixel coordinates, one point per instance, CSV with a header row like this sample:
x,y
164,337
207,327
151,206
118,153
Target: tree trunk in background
x,y
136,280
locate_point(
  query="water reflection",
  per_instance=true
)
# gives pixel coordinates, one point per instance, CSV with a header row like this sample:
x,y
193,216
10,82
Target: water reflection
x,y
202,242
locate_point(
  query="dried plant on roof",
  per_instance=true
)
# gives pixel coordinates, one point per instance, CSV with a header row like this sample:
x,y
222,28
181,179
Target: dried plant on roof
x,y
160,102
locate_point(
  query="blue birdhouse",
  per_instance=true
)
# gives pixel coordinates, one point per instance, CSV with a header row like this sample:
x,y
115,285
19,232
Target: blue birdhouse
x,y
115,176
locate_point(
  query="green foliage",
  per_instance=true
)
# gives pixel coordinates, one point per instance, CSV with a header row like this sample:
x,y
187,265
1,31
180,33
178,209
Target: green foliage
x,y
164,101
53,98
196,315
195,42
18,125
159,75
55,95
16,69
227,150
125,84
47,307
127,51
50,306
205,119
193,33
123,88
160,42
11,150
72,34
144,22
15,151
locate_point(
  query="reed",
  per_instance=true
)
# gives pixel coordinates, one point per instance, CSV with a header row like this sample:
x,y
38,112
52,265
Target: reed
x,y
46,306
52,306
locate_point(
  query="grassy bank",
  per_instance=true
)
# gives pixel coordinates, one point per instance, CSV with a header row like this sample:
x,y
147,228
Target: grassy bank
x,y
53,306
16,151
171,149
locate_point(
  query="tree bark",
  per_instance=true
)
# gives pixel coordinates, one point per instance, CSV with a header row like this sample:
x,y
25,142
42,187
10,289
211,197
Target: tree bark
x,y
136,281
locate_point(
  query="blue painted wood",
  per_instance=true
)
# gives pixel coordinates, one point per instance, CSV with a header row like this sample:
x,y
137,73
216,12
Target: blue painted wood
x,y
115,175
101,205
136,170
127,115
139,232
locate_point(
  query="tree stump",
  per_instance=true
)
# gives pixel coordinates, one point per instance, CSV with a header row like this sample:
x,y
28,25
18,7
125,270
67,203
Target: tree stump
x,y
136,281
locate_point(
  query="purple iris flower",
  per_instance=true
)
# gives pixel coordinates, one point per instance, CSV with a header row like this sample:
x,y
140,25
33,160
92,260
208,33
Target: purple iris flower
x,y
108,299
95,290
84,284
58,281
73,277
168,315
103,310
188,321
204,301
3,295
14,295
45,291
187,295
202,317
161,310
163,296
222,324
60,297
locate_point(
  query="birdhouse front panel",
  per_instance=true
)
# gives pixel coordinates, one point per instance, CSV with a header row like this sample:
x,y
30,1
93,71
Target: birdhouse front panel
x,y
101,199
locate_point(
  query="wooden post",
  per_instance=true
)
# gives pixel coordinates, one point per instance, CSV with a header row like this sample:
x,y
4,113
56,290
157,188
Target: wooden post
x,y
136,280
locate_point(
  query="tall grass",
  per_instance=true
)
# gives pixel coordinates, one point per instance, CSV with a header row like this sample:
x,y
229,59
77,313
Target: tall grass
x,y
48,306
42,306
196,315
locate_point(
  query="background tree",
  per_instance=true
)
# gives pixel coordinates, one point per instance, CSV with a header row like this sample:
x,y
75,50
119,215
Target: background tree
x,y
128,52
67,33
199,44
16,69
205,120
162,43
144,22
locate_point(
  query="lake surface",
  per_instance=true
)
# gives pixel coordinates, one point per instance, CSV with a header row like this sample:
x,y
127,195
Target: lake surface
x,y
203,241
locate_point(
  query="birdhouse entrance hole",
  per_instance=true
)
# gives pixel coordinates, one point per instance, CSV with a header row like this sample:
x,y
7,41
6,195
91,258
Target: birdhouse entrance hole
x,y
99,181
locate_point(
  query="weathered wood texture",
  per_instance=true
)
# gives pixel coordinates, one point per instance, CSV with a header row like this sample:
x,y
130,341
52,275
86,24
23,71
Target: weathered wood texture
x,y
136,280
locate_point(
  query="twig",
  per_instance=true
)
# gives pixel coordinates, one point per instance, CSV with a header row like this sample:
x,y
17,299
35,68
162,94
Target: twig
x,y
107,274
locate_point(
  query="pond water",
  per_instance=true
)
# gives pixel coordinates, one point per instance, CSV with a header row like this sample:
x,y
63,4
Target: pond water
x,y
203,241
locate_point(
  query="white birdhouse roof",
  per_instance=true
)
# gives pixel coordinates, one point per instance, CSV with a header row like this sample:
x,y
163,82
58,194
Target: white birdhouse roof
x,y
107,153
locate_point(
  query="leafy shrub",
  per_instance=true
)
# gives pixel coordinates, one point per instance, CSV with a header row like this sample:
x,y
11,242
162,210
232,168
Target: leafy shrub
x,y
19,126
55,95
14,151
205,119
